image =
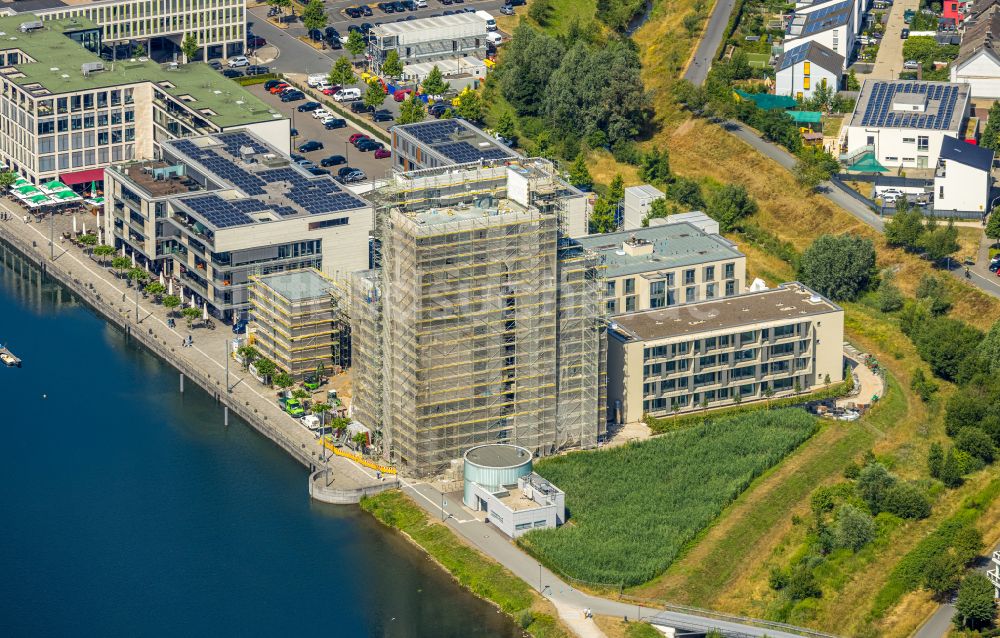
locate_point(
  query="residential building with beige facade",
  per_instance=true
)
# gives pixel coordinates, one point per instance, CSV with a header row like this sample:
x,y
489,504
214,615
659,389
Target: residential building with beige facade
x,y
710,354
666,265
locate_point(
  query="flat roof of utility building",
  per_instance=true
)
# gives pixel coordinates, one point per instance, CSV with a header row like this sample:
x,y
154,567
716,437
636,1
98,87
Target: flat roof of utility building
x,y
674,246
498,455
791,301
436,28
298,285
57,69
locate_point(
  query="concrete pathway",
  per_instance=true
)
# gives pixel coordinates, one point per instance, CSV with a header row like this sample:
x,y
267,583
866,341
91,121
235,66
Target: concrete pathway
x,y
569,601
868,385
889,61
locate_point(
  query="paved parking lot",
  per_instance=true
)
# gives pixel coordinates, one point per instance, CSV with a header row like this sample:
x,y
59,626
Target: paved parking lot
x,y
335,142
299,57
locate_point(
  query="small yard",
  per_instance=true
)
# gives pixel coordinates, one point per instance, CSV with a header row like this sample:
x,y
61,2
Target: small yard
x,y
633,508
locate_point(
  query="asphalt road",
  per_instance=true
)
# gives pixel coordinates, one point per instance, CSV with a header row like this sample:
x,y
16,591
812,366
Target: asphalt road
x,y
889,61
697,71
939,624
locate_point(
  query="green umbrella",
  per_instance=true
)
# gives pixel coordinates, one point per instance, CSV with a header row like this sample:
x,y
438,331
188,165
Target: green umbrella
x,y
55,185
38,199
65,195
20,182
28,189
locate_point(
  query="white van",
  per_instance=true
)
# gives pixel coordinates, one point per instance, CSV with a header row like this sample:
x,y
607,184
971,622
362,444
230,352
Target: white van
x,y
347,95
494,38
491,24
316,79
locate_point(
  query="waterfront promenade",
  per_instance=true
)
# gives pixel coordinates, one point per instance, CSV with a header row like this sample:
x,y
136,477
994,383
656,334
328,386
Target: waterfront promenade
x,y
203,363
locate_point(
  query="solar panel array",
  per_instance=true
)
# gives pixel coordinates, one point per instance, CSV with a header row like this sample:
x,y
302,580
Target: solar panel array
x,y
794,56
879,112
316,196
219,212
223,167
439,136
827,18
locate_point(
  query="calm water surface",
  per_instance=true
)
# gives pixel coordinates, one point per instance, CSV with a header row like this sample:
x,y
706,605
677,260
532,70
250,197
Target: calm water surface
x,y
127,509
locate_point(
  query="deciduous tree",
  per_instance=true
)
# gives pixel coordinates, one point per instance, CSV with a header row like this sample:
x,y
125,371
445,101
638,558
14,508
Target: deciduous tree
x,y
975,607
374,95
355,44
412,110
342,72
392,66
189,47
730,205
434,83
840,267
314,15
579,175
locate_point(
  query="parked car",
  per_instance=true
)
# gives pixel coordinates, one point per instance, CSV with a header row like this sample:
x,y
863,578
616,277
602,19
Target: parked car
x,y
306,164
382,153
320,113
994,266
232,73
365,10
311,145
255,42
437,109
258,69
240,326
360,107
352,12
421,4
297,158
334,122
356,136
330,33
401,94
507,10
293,96
308,106
270,84
904,34
494,38
238,61
368,145
215,64
333,160
516,3
273,11
382,116
331,90
399,6
346,170
278,88
911,65
347,95
293,132
356,176
315,170
410,5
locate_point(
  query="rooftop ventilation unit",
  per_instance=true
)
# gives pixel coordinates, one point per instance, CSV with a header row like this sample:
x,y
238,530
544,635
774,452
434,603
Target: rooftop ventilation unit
x,y
91,67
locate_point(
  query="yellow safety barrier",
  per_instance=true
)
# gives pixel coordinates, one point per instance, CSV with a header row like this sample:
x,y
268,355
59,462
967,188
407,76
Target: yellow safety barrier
x,y
357,458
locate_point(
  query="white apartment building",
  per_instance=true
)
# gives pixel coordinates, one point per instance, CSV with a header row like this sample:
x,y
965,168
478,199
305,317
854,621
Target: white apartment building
x,y
67,114
802,69
218,209
978,61
904,122
219,26
832,24
665,265
715,353
962,181
636,204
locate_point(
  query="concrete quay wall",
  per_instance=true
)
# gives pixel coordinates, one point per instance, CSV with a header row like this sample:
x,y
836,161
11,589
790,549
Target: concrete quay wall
x,y
35,253
332,494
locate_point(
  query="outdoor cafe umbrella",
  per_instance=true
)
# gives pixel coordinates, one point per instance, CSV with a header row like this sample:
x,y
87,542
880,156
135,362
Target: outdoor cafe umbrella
x,y
84,228
54,186
38,200
182,295
20,182
204,311
74,225
162,282
27,190
65,196
193,304
170,287
93,190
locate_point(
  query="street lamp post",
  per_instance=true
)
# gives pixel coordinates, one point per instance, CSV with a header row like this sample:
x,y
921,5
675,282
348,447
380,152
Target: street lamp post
x,y
347,157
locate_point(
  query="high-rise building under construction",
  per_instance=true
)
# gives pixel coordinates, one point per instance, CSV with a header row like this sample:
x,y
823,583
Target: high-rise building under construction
x,y
481,323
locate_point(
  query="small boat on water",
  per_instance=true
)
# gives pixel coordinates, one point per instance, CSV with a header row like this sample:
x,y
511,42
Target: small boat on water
x,y
8,359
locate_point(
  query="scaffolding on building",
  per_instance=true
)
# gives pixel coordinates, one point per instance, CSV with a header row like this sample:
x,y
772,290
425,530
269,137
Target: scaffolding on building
x,y
478,327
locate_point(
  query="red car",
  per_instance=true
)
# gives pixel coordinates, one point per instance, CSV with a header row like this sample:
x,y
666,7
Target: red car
x,y
357,136
330,90
401,94
278,88
382,153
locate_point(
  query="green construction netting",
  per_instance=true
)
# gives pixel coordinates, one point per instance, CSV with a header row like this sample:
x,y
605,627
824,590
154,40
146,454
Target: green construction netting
x,y
767,101
806,117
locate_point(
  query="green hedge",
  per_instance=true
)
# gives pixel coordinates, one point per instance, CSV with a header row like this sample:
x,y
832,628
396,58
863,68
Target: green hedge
x,y
255,79
670,423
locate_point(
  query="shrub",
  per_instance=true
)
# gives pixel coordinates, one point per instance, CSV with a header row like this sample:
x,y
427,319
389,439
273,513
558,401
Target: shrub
x,y
905,500
935,460
854,528
947,345
975,607
873,486
922,386
840,267
976,443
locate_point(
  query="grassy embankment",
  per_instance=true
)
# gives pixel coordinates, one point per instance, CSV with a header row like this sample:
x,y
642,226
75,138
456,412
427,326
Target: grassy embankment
x,y
477,573
632,508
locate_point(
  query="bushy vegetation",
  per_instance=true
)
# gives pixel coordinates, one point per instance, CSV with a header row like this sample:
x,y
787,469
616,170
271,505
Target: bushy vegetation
x,y
477,573
840,267
634,507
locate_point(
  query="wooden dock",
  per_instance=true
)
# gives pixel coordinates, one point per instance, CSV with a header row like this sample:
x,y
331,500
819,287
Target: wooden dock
x,y
8,358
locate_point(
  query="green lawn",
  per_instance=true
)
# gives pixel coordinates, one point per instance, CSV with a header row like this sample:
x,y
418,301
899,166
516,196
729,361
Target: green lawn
x,y
633,508
758,60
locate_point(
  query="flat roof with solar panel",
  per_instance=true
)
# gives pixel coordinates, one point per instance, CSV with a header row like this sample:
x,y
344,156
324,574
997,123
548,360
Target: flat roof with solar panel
x,y
933,106
452,141
251,183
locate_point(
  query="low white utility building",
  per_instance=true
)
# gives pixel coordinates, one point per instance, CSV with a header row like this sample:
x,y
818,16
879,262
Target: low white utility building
x,y
962,181
802,69
902,123
636,204
498,480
